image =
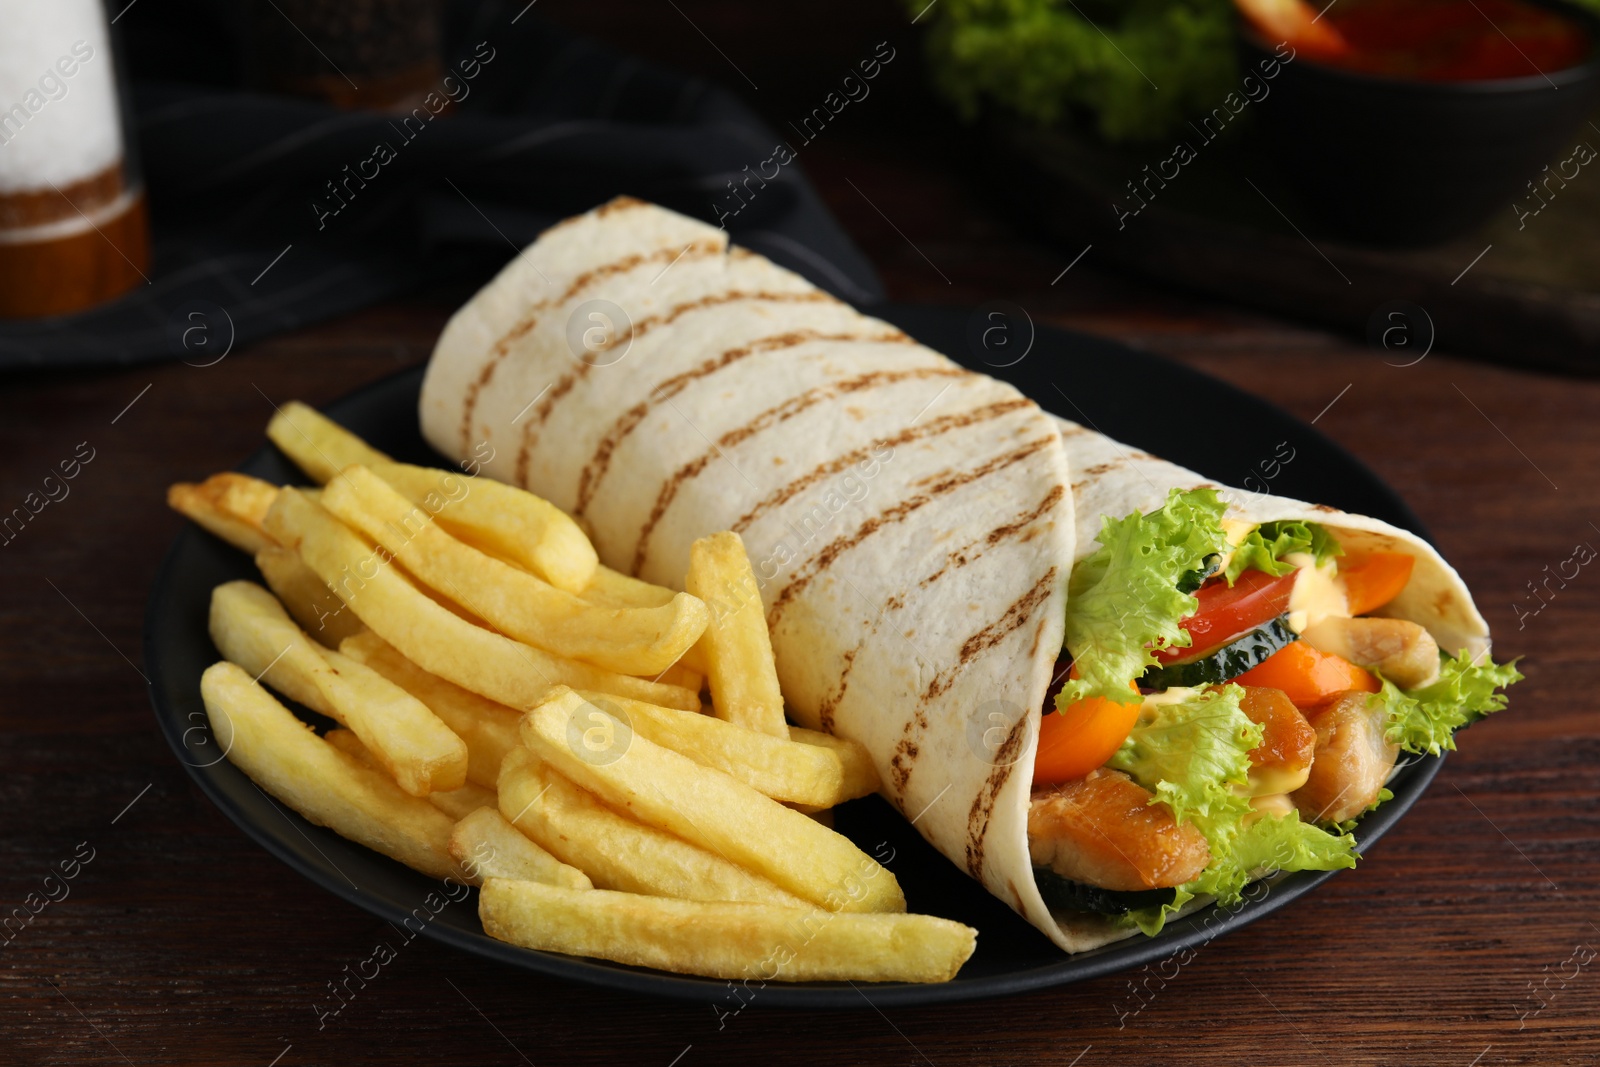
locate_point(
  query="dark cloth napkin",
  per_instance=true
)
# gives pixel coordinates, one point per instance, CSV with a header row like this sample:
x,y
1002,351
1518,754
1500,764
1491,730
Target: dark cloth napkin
x,y
270,213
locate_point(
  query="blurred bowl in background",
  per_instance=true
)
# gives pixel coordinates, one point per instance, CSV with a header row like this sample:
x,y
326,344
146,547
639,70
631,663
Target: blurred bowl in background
x,y
1399,161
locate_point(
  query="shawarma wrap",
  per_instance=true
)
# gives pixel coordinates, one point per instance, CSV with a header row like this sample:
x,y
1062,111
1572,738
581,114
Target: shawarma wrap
x,y
911,523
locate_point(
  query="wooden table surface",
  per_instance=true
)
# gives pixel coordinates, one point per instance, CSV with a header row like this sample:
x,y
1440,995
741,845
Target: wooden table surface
x,y
1467,937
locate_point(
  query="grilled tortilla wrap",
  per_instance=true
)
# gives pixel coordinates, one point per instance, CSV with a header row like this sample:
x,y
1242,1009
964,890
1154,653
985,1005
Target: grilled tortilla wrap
x,y
909,522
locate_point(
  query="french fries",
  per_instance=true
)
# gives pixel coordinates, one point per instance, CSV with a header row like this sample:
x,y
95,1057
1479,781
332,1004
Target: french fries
x,y
459,803
735,647
860,776
615,851
784,770
309,602
705,807
286,759
428,634
250,628
516,715
515,523
618,590
638,641
683,677
487,846
488,729
229,505
725,940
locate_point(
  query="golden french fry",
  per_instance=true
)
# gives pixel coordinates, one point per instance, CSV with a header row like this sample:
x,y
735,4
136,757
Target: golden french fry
x,y
683,677
512,522
284,757
230,505
488,729
784,770
659,787
251,629
614,850
725,940
429,634
345,740
456,803
459,803
736,646
638,641
821,815
487,846
860,775
617,590
309,602
316,444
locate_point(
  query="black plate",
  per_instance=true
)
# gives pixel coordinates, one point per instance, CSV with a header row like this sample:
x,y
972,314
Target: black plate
x,y
1086,379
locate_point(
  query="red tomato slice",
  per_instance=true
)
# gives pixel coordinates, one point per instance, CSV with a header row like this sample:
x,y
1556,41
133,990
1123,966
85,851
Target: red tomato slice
x,y
1375,579
1227,611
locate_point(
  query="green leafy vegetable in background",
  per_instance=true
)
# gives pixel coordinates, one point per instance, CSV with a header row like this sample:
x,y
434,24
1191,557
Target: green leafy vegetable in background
x,y
1139,67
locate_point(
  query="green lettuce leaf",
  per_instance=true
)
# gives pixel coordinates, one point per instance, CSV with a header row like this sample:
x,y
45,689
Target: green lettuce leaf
x,y
1274,844
1350,824
1123,600
1191,753
1424,720
1268,543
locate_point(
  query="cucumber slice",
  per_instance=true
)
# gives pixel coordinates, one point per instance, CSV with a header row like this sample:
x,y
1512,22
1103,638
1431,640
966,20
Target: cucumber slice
x,y
1063,894
1192,580
1218,666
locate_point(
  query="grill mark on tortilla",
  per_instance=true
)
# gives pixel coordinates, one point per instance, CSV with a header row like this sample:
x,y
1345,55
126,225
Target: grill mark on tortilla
x,y
983,804
830,703
959,557
895,514
1015,617
1033,646
600,461
502,347
616,204
530,431
610,207
773,416
939,426
905,757
1102,468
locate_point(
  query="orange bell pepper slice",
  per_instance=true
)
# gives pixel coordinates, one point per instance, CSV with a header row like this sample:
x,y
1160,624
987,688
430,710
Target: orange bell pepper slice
x,y
1375,579
1081,736
1308,677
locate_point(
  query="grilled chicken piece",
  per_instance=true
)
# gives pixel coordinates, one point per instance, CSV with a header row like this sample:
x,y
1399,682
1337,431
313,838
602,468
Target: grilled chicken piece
x,y
1404,652
1102,830
1353,759
1282,761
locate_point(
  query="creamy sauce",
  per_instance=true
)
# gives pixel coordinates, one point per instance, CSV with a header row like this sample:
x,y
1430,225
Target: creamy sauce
x,y
1234,531
1318,593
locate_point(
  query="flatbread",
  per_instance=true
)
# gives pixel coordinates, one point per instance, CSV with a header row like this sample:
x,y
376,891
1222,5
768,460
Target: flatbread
x,y
910,522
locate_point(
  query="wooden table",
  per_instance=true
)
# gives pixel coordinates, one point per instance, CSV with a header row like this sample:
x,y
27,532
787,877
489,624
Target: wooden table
x,y
1466,938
